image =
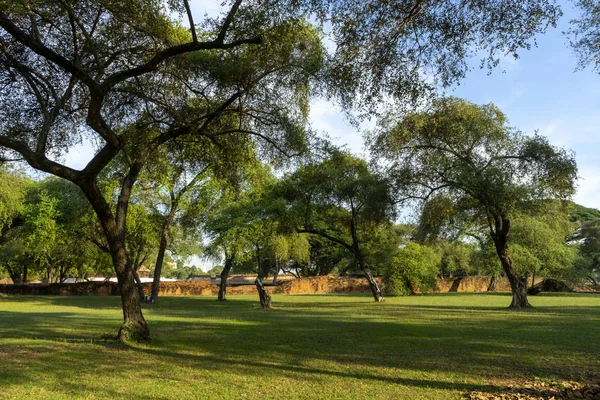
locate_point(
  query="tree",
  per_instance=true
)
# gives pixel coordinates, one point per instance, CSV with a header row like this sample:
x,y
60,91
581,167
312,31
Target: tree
x,y
470,154
414,266
248,232
584,35
383,48
341,200
128,78
12,194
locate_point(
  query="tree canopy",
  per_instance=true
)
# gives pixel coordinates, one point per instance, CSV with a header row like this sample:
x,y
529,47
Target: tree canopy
x,y
471,155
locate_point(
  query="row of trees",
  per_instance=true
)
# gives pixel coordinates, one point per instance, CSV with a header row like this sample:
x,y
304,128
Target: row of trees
x,y
142,88
335,213
49,231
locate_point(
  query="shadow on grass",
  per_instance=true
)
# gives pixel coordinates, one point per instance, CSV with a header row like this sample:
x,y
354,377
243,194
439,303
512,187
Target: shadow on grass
x,y
425,346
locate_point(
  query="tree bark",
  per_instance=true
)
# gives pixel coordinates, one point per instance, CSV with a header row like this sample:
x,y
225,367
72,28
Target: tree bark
x,y
229,261
162,248
518,283
375,290
134,325
15,276
360,258
493,283
138,282
265,298
276,274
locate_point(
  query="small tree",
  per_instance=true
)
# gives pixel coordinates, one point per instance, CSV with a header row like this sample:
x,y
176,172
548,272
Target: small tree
x,y
470,154
341,200
414,266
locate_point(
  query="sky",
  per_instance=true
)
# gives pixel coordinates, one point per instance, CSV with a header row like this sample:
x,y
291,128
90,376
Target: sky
x,y
541,91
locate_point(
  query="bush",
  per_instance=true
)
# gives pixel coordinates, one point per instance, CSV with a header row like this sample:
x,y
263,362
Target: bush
x,y
414,267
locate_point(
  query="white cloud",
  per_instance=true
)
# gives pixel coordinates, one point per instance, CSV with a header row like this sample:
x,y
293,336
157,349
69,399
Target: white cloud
x,y
588,191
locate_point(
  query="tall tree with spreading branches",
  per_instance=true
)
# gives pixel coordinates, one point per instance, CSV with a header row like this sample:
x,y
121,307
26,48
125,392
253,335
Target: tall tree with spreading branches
x,y
470,154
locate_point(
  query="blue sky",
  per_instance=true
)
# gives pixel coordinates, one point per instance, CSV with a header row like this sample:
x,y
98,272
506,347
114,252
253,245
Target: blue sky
x,y
539,91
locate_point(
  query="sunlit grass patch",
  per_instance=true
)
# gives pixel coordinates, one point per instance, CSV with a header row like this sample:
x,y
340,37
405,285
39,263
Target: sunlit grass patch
x,y
431,346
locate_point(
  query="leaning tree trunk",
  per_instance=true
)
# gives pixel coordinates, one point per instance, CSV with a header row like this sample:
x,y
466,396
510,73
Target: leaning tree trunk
x,y
265,297
229,261
375,290
360,258
518,284
493,283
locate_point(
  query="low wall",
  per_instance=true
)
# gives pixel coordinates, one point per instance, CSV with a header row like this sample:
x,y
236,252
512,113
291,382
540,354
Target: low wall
x,y
313,285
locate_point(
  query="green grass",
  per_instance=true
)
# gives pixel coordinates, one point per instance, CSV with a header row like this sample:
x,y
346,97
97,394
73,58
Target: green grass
x,y
310,347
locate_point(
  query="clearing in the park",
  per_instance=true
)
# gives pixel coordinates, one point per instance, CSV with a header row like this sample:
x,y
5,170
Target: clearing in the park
x,y
441,346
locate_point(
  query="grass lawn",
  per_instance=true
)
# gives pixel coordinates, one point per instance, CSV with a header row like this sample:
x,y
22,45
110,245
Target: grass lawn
x,y
311,347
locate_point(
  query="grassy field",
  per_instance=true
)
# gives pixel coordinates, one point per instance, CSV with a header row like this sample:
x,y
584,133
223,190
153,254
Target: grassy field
x,y
326,347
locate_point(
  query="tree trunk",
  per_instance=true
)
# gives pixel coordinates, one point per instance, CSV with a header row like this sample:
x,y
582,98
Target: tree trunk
x,y
158,266
518,284
140,287
533,279
276,274
265,298
493,283
229,261
375,291
15,276
592,280
360,258
162,248
62,272
25,270
134,325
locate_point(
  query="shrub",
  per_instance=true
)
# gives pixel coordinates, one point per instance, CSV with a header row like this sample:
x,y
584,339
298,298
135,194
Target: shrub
x,y
414,267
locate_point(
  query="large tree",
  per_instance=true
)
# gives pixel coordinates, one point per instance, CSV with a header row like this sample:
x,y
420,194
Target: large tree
x,y
124,76
471,155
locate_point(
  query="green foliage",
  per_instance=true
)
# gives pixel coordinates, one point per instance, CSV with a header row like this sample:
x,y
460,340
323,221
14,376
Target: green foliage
x,y
468,165
584,35
382,48
456,258
579,213
341,199
41,227
11,196
414,267
538,245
